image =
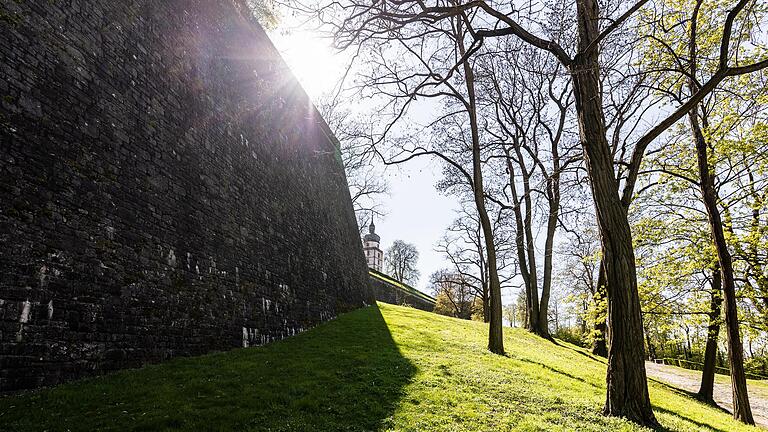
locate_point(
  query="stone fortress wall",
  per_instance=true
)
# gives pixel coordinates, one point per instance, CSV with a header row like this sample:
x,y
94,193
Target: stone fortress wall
x,y
166,189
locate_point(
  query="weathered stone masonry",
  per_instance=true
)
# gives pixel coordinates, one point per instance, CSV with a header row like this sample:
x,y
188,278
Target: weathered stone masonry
x,y
166,189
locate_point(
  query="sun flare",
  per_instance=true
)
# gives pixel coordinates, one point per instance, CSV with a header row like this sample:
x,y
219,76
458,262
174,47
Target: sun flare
x,y
316,65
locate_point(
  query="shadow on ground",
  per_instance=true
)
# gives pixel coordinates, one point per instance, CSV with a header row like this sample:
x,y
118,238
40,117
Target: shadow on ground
x,y
690,394
344,375
699,424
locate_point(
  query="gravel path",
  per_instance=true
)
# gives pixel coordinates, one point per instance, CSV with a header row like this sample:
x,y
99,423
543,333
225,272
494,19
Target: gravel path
x,y
689,380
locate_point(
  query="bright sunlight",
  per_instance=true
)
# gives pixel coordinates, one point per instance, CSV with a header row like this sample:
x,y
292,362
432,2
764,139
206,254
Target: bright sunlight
x,y
314,62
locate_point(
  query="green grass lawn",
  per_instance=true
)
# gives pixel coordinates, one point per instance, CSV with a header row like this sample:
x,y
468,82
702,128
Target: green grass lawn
x,y
384,368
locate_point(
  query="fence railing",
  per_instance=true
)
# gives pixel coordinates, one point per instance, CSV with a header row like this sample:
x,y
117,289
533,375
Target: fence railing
x,y
687,364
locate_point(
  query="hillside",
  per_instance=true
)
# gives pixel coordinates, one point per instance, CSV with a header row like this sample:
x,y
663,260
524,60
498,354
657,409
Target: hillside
x,y
690,380
380,368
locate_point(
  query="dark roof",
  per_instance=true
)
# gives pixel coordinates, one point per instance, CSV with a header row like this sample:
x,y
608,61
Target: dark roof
x,y
372,236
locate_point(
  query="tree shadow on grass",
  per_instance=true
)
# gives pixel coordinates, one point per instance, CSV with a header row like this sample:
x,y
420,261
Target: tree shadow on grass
x,y
347,374
656,408
690,394
557,371
702,425
583,352
590,356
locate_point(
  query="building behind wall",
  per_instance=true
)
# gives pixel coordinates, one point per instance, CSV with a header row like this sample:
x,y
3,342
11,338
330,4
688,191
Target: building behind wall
x,y
373,253
385,288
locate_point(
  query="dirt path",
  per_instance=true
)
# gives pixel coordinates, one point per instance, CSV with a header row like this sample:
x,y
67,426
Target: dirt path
x,y
689,380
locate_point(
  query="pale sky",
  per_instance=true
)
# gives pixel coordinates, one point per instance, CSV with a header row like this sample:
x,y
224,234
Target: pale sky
x,y
415,212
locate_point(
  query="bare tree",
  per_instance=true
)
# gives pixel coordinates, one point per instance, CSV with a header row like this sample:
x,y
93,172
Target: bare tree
x,y
530,108
400,261
579,273
361,165
421,65
464,247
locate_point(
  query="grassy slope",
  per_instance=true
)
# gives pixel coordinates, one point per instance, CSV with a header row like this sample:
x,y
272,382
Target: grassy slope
x,y
386,368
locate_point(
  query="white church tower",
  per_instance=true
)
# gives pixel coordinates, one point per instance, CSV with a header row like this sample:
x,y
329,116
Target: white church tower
x,y
373,253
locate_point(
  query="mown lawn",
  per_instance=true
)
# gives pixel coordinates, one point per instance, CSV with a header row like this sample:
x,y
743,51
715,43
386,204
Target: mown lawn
x,y
384,368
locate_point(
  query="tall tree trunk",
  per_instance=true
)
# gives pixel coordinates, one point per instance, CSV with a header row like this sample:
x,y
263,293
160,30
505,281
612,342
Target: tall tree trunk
x,y
529,281
713,334
530,249
599,346
741,408
484,281
535,326
649,342
495,335
553,199
627,393
486,303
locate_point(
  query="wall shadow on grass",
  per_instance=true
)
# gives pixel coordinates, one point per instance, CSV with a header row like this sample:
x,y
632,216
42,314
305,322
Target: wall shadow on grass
x,y
347,374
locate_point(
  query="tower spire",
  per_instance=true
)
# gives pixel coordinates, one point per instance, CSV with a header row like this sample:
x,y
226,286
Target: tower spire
x,y
373,253
372,227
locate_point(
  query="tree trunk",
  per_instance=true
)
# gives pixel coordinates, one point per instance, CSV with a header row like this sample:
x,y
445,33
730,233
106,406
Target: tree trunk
x,y
627,393
484,282
649,342
530,248
553,201
553,195
741,408
599,346
651,348
713,334
529,281
495,335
